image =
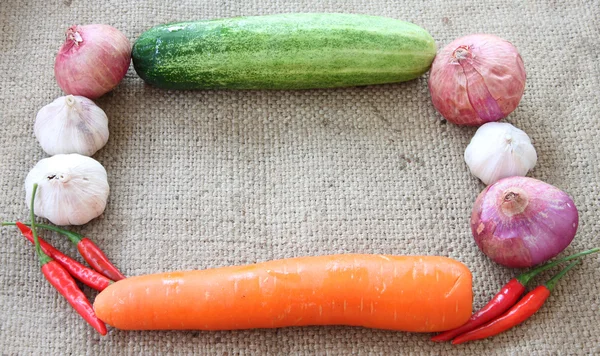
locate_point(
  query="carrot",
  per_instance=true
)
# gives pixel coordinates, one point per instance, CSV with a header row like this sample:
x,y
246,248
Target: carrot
x,y
406,293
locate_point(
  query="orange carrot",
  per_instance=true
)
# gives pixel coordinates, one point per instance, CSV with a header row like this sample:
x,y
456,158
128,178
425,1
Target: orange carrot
x,y
407,293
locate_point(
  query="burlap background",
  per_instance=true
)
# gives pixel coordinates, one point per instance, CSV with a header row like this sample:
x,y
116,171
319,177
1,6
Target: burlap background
x,y
213,178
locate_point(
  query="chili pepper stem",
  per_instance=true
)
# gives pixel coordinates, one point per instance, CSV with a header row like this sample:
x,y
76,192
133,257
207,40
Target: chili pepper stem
x,y
73,236
526,277
44,258
552,282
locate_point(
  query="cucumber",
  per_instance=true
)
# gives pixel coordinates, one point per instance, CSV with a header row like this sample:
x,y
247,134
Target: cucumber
x,y
285,51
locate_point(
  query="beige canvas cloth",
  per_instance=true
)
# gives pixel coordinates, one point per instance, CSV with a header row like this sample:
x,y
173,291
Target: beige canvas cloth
x,y
213,178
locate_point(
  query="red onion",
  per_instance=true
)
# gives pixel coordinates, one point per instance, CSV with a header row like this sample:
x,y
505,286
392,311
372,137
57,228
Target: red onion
x,y
92,61
477,79
520,221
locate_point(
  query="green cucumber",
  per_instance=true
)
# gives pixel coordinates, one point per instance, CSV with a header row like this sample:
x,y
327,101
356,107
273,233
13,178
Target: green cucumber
x,y
286,51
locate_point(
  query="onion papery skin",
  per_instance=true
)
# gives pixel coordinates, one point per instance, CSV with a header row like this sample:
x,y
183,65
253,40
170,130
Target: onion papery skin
x,y
520,222
92,61
477,79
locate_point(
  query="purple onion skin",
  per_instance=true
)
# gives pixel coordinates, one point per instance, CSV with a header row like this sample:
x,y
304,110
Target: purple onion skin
x,y
520,222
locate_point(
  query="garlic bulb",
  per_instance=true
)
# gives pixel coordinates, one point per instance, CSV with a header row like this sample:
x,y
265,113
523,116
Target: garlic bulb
x,y
71,124
72,189
499,150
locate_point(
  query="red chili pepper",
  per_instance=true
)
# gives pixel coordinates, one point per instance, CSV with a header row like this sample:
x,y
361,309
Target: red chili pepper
x,y
520,312
91,253
86,275
66,286
63,282
98,260
507,297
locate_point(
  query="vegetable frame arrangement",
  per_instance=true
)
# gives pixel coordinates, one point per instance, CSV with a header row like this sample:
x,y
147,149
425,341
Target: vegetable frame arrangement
x,y
475,80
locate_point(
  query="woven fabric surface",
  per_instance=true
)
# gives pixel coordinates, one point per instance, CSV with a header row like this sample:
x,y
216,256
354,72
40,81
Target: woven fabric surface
x,y
213,178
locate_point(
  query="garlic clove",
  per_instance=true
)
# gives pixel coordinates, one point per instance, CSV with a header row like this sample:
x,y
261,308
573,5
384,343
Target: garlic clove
x,y
71,124
72,189
499,150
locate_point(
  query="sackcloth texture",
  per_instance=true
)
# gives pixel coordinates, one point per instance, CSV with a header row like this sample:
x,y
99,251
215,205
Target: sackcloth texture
x,y
204,179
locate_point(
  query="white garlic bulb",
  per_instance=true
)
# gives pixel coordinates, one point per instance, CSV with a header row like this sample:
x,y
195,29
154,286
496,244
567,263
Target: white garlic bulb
x,y
499,150
72,189
71,124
